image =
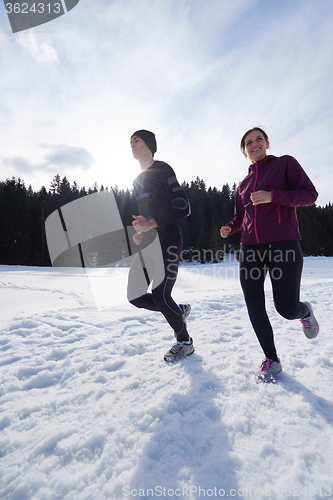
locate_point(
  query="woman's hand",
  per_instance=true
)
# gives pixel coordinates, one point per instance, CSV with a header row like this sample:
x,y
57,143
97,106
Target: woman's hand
x,y
142,225
260,197
224,231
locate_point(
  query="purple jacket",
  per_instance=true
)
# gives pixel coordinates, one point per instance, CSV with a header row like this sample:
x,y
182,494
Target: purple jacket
x,y
276,221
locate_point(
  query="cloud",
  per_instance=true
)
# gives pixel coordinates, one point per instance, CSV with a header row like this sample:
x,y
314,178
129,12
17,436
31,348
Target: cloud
x,y
19,163
69,156
61,158
42,51
197,74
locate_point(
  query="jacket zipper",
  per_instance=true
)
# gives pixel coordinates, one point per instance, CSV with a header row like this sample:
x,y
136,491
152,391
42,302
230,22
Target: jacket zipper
x,y
255,208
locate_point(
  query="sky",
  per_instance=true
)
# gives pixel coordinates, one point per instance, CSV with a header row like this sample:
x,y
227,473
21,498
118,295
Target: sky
x,y
198,74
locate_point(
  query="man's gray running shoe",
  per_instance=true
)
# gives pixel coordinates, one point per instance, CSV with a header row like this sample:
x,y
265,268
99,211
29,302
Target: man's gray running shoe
x,y
179,351
310,324
185,309
268,371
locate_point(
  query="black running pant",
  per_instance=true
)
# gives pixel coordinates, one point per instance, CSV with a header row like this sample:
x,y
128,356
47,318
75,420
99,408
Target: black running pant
x,y
171,241
283,260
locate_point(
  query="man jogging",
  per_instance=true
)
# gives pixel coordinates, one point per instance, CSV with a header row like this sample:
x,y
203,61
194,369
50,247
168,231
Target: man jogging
x,y
162,203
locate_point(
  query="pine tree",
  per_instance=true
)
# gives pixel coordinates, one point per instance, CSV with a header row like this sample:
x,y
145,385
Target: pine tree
x,y
15,223
23,214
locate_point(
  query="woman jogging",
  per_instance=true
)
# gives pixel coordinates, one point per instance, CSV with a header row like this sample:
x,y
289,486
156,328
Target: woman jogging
x,y
162,203
265,212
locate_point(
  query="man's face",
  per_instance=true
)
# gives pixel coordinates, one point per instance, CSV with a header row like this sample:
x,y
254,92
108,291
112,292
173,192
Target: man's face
x,y
139,147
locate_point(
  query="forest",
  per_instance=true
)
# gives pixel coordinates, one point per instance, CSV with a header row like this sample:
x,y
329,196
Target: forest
x,y
23,213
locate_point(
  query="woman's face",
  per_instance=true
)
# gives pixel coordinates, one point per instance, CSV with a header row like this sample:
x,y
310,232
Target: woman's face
x,y
255,146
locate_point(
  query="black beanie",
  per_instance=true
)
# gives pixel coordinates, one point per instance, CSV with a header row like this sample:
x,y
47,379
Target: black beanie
x,y
148,138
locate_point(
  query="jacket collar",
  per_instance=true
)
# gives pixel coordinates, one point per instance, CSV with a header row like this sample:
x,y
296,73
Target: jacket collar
x,y
260,162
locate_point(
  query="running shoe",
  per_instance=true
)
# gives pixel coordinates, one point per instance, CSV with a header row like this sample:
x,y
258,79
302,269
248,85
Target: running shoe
x,y
179,350
310,324
268,371
185,309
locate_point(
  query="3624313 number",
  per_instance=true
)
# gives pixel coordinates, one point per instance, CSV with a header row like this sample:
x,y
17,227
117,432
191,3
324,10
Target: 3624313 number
x,y
35,8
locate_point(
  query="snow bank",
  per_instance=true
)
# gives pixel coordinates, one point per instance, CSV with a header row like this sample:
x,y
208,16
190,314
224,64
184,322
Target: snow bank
x,y
89,409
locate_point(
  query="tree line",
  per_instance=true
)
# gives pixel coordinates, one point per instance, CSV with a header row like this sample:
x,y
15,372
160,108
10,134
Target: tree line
x,y
23,213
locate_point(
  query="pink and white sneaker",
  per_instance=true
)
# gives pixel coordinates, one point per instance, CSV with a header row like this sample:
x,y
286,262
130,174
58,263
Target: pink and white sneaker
x,y
268,371
310,324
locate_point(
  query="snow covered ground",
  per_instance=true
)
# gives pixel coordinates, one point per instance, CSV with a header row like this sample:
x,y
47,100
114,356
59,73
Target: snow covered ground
x,y
90,411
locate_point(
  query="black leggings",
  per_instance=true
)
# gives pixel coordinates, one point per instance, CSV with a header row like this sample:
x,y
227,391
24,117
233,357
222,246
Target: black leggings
x,y
284,262
148,267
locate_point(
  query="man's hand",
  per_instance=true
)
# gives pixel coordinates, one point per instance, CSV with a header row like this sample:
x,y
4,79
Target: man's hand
x,y
142,225
137,238
260,197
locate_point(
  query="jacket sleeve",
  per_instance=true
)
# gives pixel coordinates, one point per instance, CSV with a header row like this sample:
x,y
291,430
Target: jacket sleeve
x,y
237,221
179,204
301,192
